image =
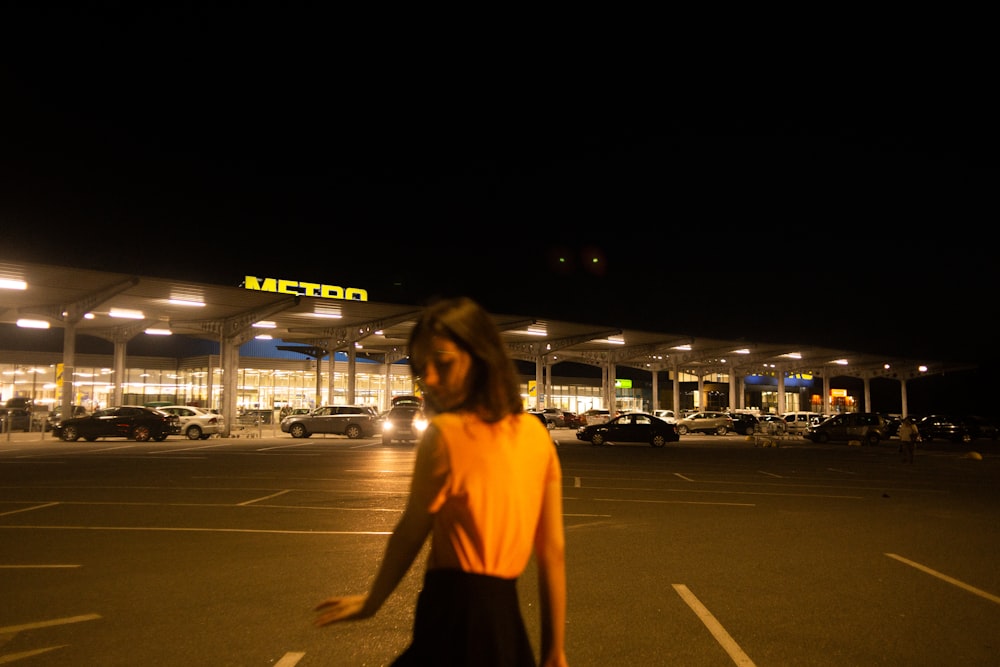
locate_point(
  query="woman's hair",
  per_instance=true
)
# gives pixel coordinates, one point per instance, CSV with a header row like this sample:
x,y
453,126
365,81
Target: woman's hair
x,y
493,384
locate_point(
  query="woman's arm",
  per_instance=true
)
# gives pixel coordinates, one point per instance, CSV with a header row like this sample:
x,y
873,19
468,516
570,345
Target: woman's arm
x,y
404,544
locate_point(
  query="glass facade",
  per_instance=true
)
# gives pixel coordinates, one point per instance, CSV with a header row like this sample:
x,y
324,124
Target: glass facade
x,y
262,384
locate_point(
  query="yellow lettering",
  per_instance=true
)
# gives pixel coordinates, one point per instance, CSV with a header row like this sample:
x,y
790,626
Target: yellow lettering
x,y
309,288
269,284
304,288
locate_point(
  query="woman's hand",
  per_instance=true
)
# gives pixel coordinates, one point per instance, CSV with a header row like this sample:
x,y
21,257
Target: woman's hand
x,y
341,608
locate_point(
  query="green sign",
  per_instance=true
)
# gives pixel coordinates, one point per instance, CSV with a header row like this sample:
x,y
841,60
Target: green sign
x,y
621,383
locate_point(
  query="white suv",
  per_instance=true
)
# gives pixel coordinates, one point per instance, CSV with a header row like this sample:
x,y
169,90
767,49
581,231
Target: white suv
x,y
596,416
666,415
796,423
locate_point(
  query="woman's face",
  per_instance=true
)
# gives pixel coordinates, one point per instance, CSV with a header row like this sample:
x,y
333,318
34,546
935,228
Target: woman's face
x,y
444,374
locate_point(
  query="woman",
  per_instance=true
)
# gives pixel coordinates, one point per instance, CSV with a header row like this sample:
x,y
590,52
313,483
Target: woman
x,y
487,489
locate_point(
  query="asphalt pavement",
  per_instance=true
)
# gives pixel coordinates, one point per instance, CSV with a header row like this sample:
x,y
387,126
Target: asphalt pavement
x,y
710,551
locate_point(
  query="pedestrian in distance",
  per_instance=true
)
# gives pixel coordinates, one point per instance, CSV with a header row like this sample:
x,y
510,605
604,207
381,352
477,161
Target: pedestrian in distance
x,y
487,490
908,436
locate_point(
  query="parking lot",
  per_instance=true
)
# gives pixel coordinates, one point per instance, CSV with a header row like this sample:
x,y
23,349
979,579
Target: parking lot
x,y
709,551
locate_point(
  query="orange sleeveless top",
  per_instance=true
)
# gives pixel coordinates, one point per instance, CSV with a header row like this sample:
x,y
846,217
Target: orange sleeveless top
x,y
490,480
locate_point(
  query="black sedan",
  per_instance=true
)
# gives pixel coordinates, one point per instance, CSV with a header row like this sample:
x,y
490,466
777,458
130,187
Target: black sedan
x,y
957,428
630,427
134,422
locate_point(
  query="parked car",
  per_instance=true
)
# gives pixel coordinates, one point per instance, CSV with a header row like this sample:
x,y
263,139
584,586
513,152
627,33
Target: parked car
x,y
554,417
21,402
630,427
15,419
54,416
135,422
772,424
573,420
596,416
403,422
957,428
744,423
666,415
408,399
196,423
869,428
892,423
540,415
796,423
354,421
718,423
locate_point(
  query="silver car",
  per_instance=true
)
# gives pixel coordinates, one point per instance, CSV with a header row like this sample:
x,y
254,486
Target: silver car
x,y
718,423
354,421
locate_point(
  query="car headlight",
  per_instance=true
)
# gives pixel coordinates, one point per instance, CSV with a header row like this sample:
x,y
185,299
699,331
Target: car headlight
x,y
420,424
386,426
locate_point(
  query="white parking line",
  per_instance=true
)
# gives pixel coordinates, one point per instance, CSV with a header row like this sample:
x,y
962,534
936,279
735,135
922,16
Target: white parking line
x,y
29,509
15,657
257,500
289,659
945,577
728,643
10,629
160,529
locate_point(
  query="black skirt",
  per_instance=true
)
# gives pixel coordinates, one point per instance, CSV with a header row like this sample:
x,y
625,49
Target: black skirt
x,y
465,619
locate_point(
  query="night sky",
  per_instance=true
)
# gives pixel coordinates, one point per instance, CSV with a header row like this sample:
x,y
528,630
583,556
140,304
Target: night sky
x,y
208,145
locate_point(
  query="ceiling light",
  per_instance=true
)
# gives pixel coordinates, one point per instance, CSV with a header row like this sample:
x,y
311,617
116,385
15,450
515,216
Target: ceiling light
x,y
264,337
7,283
127,314
32,324
614,340
185,302
159,332
265,324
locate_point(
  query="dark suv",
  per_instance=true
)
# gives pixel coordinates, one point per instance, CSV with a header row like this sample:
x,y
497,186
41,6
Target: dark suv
x,y
15,419
744,423
354,421
868,428
957,428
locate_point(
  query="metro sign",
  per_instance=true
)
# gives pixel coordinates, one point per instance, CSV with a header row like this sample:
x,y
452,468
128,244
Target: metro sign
x,y
303,288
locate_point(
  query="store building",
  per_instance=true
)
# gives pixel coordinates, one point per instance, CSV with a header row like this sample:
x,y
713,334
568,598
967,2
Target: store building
x,y
108,339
